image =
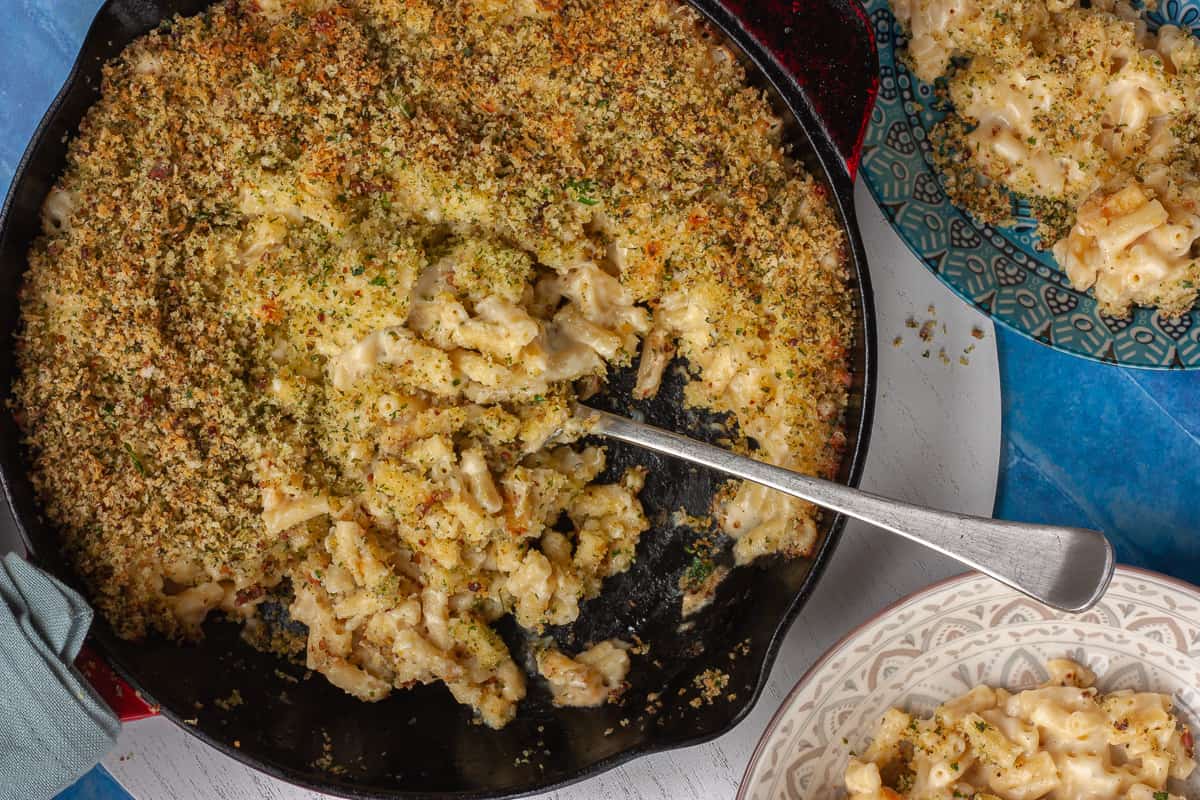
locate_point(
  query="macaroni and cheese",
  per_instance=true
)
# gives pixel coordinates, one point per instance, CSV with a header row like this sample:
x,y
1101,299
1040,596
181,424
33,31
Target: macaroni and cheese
x,y
318,288
1082,109
1064,741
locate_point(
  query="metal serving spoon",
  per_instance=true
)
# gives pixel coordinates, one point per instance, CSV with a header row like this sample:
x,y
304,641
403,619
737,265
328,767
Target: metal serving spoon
x,y
1066,568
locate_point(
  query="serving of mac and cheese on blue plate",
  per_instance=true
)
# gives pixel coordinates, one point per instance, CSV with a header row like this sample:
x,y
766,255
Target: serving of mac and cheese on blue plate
x,y
1043,159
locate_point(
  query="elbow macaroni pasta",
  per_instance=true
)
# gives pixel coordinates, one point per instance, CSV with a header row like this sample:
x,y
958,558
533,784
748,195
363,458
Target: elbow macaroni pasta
x,y
592,678
1063,741
1081,107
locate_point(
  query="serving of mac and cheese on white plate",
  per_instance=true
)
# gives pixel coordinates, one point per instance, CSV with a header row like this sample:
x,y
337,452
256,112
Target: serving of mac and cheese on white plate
x,y
1060,740
322,280
968,690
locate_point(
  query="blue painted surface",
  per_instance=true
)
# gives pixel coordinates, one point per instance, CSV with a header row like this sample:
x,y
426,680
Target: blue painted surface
x,y
1084,443
1106,447
96,785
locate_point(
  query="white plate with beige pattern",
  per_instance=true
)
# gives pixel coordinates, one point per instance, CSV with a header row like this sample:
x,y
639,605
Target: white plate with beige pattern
x,y
939,643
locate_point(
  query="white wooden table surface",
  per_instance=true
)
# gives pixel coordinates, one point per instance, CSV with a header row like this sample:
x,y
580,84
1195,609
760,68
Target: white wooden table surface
x,y
936,441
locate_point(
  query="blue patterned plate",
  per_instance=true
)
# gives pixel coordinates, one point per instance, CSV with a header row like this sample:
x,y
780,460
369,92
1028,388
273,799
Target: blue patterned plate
x,y
999,270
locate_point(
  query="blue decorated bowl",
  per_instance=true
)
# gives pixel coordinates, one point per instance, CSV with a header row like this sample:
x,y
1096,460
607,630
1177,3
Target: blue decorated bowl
x,y
1000,270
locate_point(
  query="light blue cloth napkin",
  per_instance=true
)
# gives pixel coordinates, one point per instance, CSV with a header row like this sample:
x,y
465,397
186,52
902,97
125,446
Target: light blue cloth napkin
x,y
53,727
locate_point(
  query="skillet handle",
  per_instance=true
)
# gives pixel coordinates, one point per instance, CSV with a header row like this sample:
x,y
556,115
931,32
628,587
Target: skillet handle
x,y
825,50
122,698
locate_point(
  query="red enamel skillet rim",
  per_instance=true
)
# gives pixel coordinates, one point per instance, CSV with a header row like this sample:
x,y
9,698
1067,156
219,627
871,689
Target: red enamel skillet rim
x,y
817,57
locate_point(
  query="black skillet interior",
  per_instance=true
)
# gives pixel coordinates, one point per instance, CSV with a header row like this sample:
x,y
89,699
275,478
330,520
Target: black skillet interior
x,y
421,742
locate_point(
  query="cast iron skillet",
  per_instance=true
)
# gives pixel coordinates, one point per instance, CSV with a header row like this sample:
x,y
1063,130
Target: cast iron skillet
x,y
817,60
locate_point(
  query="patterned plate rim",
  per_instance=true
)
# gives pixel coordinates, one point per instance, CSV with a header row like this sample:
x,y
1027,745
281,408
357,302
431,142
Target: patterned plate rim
x,y
889,55
915,597
1003,322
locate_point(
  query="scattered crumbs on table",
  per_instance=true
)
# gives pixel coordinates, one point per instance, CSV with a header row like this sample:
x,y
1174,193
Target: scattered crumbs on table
x,y
624,722
608,731
285,677
193,721
927,331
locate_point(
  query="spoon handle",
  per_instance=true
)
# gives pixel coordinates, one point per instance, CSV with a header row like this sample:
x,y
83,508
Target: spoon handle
x,y
1066,568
